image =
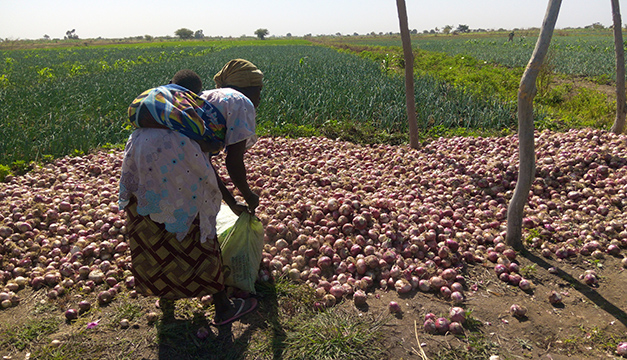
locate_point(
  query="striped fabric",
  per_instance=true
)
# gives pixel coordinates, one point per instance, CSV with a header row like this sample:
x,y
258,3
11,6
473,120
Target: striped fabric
x,y
166,267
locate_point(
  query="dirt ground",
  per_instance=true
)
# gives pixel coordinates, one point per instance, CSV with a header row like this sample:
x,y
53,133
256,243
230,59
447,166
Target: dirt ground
x,y
588,325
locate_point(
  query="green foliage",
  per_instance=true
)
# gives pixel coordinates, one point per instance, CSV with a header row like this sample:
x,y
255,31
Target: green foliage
x,y
184,33
32,331
262,33
4,172
336,334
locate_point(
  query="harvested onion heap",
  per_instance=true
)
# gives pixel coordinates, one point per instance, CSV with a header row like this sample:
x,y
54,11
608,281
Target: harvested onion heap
x,y
338,216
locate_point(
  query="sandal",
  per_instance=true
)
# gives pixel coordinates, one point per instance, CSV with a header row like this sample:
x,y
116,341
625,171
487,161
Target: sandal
x,y
240,311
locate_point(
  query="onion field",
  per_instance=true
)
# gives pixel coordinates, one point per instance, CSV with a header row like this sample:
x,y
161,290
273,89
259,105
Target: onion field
x,y
65,101
580,55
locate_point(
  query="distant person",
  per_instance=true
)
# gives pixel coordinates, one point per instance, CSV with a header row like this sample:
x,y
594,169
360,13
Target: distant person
x,y
511,36
171,191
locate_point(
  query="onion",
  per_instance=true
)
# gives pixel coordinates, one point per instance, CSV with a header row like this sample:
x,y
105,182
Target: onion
x,y
329,300
524,284
152,317
442,325
71,314
456,328
104,297
555,298
337,291
457,314
394,307
429,326
517,310
424,285
457,297
402,286
360,298
621,348
84,306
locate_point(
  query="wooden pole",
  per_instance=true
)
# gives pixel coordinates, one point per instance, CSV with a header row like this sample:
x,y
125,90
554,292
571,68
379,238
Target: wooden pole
x,y
412,123
526,147
619,122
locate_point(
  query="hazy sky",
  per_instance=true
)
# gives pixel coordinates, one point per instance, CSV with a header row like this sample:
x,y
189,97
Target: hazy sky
x,y
32,19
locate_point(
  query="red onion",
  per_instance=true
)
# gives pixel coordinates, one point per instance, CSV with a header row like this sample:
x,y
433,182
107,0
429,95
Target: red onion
x,y
429,326
360,298
84,306
517,310
402,286
456,328
457,314
394,307
71,314
524,284
621,348
104,297
442,325
555,298
457,297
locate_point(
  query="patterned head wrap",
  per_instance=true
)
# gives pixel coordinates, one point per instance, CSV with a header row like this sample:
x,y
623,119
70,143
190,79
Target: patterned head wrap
x,y
240,73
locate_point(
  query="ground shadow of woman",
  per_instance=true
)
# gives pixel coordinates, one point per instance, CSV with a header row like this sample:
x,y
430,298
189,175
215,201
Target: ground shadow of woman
x,y
179,339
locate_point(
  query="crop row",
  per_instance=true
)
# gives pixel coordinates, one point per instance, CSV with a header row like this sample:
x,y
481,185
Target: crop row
x,y
573,55
68,111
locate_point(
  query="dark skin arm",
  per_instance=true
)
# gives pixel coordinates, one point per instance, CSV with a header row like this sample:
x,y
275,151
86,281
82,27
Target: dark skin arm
x,y
229,199
237,171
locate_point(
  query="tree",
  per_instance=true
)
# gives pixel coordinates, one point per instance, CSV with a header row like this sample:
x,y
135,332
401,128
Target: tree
x,y
447,29
184,33
262,33
414,142
71,34
619,122
46,37
461,28
526,146
198,34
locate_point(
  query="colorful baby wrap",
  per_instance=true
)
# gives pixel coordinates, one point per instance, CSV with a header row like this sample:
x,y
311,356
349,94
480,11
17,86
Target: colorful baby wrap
x,y
181,110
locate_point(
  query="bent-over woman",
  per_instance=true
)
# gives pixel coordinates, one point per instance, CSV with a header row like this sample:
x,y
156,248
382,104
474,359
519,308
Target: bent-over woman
x,y
171,191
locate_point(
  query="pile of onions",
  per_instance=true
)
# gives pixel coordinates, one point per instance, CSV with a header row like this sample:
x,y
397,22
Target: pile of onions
x,y
339,217
441,325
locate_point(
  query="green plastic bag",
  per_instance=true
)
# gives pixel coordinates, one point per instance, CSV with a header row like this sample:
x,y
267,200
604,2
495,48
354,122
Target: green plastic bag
x,y
241,247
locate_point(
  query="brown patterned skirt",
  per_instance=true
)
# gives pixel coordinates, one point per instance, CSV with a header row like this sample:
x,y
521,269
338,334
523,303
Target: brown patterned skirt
x,y
165,267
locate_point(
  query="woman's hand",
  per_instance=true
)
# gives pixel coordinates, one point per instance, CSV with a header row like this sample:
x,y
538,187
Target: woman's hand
x,y
253,201
238,208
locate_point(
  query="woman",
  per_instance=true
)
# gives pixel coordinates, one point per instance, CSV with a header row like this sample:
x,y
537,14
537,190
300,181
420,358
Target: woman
x,y
171,191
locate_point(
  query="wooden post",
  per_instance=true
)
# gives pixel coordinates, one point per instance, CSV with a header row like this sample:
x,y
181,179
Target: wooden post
x,y
526,148
412,123
619,122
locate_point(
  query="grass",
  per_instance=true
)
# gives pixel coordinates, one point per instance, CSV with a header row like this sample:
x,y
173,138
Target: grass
x,y
564,106
478,347
28,334
336,334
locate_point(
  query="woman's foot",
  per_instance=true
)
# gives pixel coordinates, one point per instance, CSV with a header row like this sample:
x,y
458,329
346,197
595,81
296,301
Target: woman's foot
x,y
238,308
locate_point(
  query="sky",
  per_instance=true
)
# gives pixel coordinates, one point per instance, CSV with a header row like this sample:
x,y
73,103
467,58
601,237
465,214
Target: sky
x,y
32,19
